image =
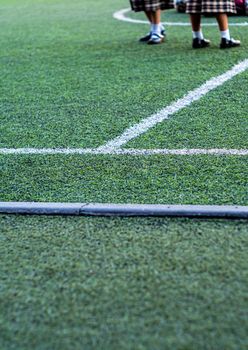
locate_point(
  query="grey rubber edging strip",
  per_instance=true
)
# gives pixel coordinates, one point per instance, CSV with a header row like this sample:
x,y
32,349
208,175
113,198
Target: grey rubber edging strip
x,y
100,209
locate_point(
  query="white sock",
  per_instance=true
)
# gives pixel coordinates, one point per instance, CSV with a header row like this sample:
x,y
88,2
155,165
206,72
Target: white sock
x,y
225,34
156,29
198,35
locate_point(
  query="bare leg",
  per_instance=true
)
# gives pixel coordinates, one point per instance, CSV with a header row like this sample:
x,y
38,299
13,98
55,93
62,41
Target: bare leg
x,y
226,41
195,20
147,36
155,36
198,39
149,15
156,17
222,20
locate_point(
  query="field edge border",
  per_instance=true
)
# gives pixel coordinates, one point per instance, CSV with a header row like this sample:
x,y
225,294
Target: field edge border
x,y
112,209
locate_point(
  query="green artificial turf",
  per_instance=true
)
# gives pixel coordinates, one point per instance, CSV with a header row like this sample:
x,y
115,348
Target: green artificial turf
x,y
123,283
72,76
152,179
218,120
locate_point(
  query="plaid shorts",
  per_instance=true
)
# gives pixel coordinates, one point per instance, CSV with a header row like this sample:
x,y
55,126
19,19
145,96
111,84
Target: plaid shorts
x,y
210,6
151,5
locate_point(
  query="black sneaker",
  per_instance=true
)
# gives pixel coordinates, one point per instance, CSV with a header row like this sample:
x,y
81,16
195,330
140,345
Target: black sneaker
x,y
227,44
200,43
148,36
155,39
145,38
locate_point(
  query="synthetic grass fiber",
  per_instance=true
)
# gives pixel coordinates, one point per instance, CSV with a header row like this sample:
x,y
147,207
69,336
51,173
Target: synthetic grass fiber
x,y
74,77
173,180
94,283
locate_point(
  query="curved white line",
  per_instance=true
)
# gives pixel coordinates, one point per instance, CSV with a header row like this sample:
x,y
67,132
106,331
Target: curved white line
x,y
121,16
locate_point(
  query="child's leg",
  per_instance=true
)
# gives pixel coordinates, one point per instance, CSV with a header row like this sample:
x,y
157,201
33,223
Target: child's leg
x,y
148,35
156,15
195,19
156,26
223,25
149,15
157,29
222,21
226,41
198,38
156,22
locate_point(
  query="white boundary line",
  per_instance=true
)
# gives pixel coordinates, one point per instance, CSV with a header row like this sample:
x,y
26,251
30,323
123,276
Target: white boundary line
x,y
194,95
121,16
128,151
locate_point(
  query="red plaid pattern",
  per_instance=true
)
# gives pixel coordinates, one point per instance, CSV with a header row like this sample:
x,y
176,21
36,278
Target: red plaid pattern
x,y
210,6
151,5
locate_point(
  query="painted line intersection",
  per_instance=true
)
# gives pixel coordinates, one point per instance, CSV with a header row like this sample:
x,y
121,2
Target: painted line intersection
x,y
114,147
